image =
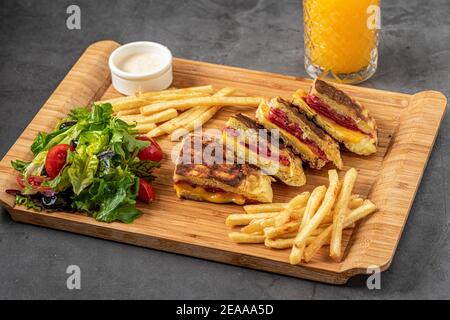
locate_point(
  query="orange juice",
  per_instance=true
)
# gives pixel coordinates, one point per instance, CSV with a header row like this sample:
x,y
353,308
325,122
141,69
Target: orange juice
x,y
341,38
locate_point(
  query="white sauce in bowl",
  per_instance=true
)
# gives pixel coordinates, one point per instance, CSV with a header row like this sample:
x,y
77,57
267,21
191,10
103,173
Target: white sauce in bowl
x,y
141,62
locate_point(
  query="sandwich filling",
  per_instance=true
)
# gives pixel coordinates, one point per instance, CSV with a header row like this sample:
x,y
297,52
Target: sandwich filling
x,y
324,109
207,193
281,119
261,150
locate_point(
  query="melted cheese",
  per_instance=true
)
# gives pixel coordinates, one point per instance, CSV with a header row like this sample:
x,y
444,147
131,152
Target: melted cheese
x,y
342,133
215,197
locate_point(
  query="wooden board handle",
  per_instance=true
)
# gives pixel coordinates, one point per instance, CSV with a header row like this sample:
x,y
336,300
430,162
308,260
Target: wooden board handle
x,y
403,166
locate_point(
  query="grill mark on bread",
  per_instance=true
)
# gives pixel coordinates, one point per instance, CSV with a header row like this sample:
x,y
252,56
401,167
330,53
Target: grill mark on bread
x,y
338,96
300,114
231,174
248,122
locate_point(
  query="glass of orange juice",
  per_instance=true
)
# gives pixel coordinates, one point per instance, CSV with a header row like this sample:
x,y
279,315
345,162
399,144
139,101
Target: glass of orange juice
x,y
341,39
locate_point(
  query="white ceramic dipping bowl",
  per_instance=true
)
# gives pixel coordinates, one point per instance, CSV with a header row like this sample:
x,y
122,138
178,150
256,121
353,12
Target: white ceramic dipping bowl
x,y
129,83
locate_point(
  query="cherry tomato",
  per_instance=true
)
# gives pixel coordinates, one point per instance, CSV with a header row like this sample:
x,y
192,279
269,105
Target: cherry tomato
x,y
35,182
20,181
146,193
153,152
56,159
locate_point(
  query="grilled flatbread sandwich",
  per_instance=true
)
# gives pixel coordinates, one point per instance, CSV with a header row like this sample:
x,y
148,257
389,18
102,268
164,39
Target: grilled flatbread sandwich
x,y
201,174
252,142
305,138
340,116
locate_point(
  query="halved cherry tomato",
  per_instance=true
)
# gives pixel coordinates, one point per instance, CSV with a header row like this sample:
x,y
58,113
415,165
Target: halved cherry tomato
x,y
153,152
146,193
56,159
35,182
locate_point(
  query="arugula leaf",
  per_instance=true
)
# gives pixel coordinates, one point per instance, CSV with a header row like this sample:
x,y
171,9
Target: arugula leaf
x,y
81,172
20,165
111,198
143,169
27,202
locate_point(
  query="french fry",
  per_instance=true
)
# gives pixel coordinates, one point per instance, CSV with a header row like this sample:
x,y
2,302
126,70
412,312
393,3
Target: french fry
x,y
323,211
276,231
239,237
279,243
312,206
357,214
265,207
284,243
142,101
258,225
152,96
288,235
341,209
293,205
131,118
170,125
187,117
201,118
129,104
158,117
145,128
183,91
128,112
355,202
204,117
201,102
244,219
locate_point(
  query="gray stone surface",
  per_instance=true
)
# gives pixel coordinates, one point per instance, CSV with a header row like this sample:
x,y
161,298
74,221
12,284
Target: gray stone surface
x,y
37,50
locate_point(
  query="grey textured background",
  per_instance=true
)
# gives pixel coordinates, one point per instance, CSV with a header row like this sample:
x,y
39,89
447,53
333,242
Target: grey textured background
x,y
37,51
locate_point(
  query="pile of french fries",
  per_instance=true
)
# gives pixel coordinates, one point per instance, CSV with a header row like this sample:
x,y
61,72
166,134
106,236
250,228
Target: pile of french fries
x,y
175,111
307,222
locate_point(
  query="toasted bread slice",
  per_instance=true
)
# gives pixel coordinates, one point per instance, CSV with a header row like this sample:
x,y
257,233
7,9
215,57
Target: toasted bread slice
x,y
307,140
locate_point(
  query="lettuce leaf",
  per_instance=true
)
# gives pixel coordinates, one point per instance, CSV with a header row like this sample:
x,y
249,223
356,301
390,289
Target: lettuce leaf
x,y
111,198
82,170
61,182
95,141
27,202
20,165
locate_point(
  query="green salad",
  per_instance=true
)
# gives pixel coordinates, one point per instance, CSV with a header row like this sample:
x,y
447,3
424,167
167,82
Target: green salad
x,y
93,163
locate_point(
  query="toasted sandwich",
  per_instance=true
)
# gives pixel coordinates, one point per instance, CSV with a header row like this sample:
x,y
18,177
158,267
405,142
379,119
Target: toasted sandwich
x,y
253,143
306,139
208,178
340,116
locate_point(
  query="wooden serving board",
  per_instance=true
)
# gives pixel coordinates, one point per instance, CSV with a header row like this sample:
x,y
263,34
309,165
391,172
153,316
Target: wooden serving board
x,y
408,125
